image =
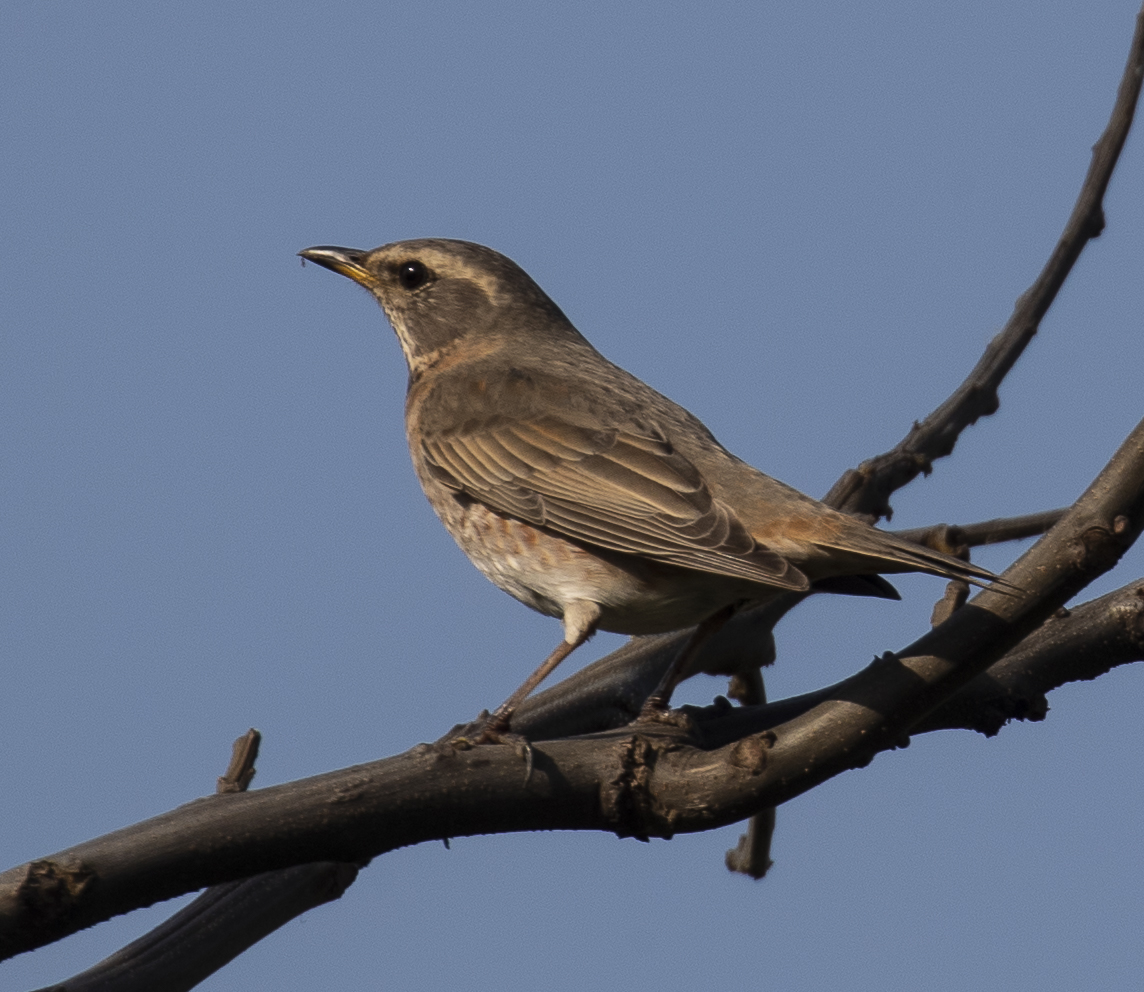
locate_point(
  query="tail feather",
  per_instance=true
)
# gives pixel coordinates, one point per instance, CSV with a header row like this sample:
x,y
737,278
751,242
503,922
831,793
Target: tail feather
x,y
890,554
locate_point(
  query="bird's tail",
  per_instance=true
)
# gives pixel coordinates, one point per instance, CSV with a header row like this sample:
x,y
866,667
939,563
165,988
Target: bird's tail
x,y
883,552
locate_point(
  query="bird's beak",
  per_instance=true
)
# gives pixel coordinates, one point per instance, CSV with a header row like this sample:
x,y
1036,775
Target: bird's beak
x,y
345,261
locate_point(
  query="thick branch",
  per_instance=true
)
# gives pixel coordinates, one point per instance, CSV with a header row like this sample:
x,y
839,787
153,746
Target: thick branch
x,y
1076,645
222,922
213,930
874,709
641,780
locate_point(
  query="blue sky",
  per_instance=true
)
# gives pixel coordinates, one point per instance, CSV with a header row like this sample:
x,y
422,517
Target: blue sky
x,y
803,222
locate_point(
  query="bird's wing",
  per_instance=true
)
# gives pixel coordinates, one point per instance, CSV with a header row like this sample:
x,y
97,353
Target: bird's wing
x,y
621,490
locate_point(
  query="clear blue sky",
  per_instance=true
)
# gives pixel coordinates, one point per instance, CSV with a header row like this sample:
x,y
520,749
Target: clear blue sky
x,y
803,222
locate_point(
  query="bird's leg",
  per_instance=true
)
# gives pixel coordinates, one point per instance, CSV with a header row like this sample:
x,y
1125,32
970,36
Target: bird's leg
x,y
501,717
580,619
657,703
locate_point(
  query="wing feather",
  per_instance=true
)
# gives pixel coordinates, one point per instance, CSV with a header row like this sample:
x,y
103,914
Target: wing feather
x,y
624,491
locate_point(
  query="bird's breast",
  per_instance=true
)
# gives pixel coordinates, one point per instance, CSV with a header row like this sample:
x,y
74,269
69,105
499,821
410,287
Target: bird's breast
x,y
636,595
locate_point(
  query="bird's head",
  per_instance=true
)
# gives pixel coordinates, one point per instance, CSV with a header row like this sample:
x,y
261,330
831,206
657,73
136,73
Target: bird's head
x,y
437,292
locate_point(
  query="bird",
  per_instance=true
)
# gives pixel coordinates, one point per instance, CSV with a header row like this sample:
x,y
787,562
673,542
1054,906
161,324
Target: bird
x,y
580,490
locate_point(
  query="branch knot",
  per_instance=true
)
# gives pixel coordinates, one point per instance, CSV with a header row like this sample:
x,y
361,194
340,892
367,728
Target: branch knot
x,y
625,800
750,753
51,891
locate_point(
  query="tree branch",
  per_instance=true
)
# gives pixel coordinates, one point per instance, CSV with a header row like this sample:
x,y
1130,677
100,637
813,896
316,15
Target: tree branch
x,y
950,538
1075,645
866,491
221,923
643,780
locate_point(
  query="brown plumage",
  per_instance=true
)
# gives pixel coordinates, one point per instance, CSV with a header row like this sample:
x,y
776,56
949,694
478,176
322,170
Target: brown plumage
x,y
576,487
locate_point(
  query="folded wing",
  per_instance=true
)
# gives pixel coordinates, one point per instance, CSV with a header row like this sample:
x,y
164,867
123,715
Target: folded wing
x,y
614,489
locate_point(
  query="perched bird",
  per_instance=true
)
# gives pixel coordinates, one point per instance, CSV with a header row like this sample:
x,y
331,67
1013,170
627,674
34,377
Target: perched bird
x,y
577,488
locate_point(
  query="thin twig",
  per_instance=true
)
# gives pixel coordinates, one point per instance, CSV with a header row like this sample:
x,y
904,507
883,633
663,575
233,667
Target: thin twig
x,y
950,538
240,772
866,491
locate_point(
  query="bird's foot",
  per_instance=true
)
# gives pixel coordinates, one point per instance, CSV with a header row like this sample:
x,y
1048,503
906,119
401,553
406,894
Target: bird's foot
x,y
486,729
656,711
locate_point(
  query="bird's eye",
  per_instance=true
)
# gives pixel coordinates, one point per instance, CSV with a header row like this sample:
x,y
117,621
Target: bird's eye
x,y
412,274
